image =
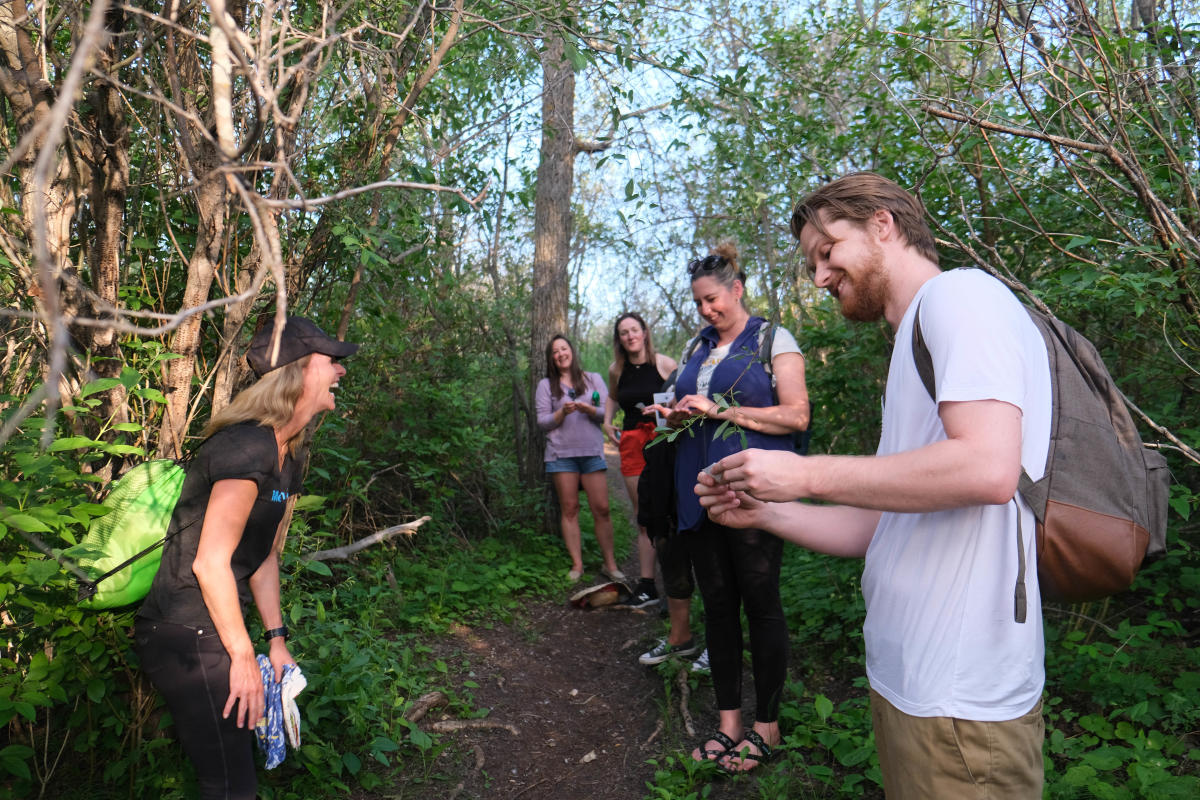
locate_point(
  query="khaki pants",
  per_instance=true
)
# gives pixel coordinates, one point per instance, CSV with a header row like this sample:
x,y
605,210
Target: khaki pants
x,y
942,758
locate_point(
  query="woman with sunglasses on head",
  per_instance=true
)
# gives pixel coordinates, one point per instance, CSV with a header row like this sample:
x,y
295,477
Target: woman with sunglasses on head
x,y
736,569
570,409
637,372
223,550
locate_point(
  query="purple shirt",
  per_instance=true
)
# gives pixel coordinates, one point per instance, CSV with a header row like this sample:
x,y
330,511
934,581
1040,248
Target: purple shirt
x,y
579,434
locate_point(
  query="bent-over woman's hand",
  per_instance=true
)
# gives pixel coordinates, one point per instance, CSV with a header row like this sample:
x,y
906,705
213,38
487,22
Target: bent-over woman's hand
x,y
246,691
280,656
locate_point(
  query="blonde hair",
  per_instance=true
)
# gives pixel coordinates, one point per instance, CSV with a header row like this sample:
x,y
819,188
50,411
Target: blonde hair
x,y
270,401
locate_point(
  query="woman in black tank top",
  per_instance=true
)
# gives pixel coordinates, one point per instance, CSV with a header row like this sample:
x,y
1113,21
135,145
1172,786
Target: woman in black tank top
x,y
637,372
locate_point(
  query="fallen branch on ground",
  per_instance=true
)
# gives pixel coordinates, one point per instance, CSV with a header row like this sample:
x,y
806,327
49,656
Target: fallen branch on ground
x,y
366,541
681,678
657,730
463,783
452,725
424,703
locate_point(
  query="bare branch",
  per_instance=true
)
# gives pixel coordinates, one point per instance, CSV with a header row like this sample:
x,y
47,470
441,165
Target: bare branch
x,y
305,204
341,553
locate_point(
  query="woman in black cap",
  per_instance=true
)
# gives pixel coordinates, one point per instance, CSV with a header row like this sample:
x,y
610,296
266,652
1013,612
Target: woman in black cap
x,y
190,634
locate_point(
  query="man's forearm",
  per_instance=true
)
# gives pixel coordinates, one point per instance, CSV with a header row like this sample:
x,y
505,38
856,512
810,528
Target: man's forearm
x,y
834,530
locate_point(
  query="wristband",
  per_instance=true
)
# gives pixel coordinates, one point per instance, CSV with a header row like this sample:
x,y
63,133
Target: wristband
x,y
281,632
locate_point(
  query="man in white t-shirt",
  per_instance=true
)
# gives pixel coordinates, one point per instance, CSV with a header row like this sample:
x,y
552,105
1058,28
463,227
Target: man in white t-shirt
x,y
956,679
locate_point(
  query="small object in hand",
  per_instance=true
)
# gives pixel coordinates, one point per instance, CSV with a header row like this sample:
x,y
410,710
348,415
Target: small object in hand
x,y
711,471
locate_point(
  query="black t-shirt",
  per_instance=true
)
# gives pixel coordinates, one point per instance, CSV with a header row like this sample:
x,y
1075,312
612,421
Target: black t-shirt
x,y
637,384
245,451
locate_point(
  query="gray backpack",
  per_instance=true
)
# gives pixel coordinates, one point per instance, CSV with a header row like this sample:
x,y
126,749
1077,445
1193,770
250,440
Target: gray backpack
x,y
1101,505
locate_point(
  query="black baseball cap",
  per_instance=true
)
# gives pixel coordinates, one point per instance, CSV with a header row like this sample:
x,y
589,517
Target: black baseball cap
x,y
300,338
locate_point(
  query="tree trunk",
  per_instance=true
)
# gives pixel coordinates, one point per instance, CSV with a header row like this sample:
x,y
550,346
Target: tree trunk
x,y
552,220
31,97
187,74
108,150
185,342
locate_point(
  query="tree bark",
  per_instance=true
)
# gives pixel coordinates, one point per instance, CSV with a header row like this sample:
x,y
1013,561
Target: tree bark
x,y
187,78
107,131
552,221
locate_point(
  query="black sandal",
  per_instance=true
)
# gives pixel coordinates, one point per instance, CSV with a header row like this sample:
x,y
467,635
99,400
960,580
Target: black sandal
x,y
765,755
708,754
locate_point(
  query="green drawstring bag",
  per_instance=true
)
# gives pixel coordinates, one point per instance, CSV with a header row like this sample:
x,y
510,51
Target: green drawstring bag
x,y
123,548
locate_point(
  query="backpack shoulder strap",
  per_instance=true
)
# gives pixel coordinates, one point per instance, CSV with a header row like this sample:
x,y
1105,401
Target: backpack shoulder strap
x,y
766,348
924,363
921,356
688,350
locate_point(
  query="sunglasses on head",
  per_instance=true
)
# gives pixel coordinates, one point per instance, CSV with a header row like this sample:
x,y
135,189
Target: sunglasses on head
x,y
707,264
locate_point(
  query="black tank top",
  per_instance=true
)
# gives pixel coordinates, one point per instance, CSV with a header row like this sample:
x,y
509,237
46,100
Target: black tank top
x,y
638,384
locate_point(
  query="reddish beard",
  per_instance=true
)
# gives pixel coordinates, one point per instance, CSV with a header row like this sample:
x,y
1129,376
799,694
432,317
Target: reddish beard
x,y
867,298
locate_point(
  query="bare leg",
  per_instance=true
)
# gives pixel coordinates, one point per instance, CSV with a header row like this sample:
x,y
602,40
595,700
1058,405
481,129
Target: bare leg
x,y
680,613
731,726
566,484
596,486
644,545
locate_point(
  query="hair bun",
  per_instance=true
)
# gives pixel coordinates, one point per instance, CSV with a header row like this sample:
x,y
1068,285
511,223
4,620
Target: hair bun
x,y
728,250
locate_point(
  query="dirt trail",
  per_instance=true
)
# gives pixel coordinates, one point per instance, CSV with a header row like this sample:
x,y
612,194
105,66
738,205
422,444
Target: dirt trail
x,y
587,715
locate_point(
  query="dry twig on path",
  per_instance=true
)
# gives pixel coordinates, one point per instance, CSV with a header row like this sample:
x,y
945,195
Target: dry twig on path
x,y
424,703
366,541
452,725
657,730
478,751
681,679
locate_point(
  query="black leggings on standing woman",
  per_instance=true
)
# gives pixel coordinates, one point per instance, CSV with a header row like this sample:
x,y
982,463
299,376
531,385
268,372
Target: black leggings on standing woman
x,y
736,568
190,668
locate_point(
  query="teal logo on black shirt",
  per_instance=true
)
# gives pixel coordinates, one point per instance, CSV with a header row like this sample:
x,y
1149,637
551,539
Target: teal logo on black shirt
x,y
278,496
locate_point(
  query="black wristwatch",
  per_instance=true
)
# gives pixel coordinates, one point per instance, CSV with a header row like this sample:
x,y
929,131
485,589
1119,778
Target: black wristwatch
x,y
281,631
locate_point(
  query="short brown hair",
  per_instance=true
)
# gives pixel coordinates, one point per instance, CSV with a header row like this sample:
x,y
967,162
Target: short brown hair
x,y
856,197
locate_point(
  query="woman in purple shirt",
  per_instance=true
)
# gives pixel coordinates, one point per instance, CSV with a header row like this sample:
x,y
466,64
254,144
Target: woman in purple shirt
x,y
570,408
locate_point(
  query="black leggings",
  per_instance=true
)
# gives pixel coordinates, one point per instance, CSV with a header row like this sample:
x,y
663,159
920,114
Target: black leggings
x,y
190,668
737,568
675,559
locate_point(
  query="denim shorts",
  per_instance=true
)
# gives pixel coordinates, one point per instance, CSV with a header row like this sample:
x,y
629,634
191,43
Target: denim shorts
x,y
580,464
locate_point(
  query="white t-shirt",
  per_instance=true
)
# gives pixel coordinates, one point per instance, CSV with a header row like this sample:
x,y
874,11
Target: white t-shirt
x,y
940,635
782,342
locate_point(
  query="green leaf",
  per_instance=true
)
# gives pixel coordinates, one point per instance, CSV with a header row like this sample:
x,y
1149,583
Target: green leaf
x,y
309,502
319,567
101,385
823,706
149,393
352,762
72,443
122,449
26,523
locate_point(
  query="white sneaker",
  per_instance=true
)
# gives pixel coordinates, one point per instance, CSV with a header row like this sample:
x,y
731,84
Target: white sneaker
x,y
700,665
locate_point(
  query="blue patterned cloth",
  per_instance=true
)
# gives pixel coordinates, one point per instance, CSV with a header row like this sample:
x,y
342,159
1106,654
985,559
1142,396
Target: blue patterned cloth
x,y
280,711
